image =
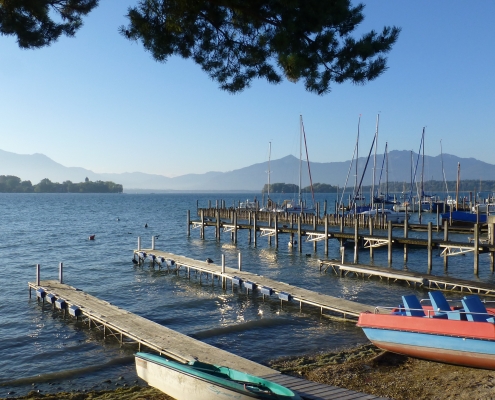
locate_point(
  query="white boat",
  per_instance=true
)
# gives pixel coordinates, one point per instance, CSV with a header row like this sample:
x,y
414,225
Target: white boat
x,y
248,205
201,381
393,216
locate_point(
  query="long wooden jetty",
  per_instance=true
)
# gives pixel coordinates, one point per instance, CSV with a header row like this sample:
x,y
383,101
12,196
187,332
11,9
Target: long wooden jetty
x,y
255,283
130,328
410,277
310,226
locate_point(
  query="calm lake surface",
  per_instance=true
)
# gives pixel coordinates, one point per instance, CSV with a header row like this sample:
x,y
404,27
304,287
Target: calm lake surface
x,y
40,350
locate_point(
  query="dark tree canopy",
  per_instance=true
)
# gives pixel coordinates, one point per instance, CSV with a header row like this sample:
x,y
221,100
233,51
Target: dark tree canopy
x,y
236,41
38,23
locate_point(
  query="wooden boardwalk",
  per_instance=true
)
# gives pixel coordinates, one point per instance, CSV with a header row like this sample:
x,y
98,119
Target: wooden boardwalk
x,y
410,277
128,327
337,305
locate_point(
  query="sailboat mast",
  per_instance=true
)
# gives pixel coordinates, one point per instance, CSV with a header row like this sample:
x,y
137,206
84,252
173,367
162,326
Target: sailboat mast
x,y
269,156
374,161
443,170
300,158
357,160
422,166
386,168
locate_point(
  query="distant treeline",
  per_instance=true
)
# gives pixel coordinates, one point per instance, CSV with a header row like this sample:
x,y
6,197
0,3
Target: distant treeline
x,y
13,184
468,185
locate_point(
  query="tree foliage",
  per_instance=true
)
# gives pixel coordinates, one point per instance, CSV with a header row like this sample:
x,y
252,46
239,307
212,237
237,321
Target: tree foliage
x,y
38,23
236,41
13,184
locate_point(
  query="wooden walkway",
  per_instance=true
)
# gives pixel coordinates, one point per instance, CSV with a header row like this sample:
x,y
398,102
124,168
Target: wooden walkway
x,y
131,328
411,278
262,284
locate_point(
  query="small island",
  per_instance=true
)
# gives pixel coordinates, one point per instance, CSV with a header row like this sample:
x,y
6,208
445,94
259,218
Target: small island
x,y
13,184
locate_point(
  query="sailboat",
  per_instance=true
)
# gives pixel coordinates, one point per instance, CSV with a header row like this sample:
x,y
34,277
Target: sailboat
x,y
384,199
300,207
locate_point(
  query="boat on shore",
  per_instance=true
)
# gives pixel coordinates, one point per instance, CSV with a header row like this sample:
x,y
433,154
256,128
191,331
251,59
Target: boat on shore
x,y
198,380
461,334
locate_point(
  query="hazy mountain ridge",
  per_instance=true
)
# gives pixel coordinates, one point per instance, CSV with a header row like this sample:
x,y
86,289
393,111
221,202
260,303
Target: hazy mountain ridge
x,y
37,166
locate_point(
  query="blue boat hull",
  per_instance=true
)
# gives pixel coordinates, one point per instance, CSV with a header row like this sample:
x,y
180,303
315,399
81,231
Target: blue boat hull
x,y
442,348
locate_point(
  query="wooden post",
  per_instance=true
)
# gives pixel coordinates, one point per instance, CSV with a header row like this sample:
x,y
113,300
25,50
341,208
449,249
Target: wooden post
x,y
153,242
239,261
325,207
223,263
139,243
476,248
218,224
249,230
188,223
430,247
209,203
235,227
275,223
356,241
299,244
202,230
254,228
38,277
390,243
370,222
315,246
61,272
326,232
269,225
406,234
491,241
445,238
438,217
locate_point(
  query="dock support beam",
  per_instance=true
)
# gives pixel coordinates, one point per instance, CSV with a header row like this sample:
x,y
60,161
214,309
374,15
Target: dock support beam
x,y
445,238
406,234
389,243
356,241
239,261
491,240
61,272
275,223
38,270
235,227
254,228
326,230
370,222
139,243
476,248
218,223
188,223
430,247
314,225
299,244
202,230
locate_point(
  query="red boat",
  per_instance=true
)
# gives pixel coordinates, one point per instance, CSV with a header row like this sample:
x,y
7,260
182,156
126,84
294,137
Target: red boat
x,y
443,332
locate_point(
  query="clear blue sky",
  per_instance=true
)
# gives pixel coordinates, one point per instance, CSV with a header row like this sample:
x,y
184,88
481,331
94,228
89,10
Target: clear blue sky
x,y
101,102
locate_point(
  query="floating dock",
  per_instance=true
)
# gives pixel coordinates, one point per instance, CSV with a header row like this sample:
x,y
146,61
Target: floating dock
x,y
258,283
130,328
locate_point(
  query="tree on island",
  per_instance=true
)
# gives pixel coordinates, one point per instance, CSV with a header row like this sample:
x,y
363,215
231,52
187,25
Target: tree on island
x,y
13,184
234,41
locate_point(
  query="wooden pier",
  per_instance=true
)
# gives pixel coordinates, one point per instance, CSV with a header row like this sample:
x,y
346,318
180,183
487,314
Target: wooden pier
x,y
130,328
256,283
309,226
411,278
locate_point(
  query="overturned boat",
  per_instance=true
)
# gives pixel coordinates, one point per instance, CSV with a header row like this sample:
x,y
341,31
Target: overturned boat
x,y
198,380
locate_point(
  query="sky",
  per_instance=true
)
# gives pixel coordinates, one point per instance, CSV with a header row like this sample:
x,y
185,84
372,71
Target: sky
x,y
100,102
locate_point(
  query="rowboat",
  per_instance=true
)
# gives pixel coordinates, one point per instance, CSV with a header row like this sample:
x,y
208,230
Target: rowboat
x,y
460,335
202,381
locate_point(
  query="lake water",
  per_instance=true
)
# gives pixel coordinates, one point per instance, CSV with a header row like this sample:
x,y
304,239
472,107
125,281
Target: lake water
x,y
40,350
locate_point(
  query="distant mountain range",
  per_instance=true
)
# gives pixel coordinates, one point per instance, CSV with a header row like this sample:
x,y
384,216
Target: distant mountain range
x,y
36,167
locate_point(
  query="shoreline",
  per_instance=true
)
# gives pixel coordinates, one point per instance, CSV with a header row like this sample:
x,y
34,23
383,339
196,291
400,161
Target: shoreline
x,y
363,368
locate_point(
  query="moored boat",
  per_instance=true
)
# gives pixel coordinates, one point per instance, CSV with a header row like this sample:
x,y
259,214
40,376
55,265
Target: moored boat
x,y
198,380
460,335
392,216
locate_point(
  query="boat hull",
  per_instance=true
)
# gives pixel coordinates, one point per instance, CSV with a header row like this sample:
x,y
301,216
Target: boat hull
x,y
464,343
